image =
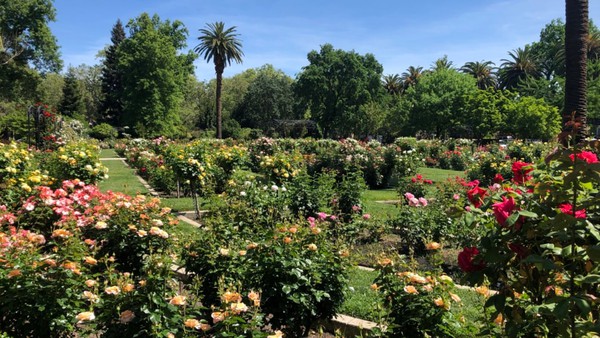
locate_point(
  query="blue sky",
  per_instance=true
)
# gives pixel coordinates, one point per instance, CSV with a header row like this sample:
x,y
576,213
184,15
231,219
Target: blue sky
x,y
400,33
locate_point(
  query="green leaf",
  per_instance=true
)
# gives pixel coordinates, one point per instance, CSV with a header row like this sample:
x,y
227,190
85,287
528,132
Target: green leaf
x,y
593,231
594,252
526,213
583,305
469,218
562,308
540,262
286,289
589,279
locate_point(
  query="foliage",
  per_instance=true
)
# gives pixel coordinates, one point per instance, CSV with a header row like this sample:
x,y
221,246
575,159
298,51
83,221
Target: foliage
x,y
436,100
153,75
221,46
540,248
269,97
419,303
26,35
335,85
516,69
111,109
103,131
75,160
484,113
72,103
13,121
298,271
533,118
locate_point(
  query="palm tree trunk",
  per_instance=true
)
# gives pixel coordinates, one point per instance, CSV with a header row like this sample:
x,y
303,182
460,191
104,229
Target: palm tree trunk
x,y
576,31
219,71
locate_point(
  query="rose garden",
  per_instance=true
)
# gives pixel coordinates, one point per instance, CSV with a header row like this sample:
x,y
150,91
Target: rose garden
x,y
283,225
138,198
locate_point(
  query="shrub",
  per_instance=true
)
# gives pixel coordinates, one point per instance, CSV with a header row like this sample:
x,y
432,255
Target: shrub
x,y
79,160
103,131
541,246
419,303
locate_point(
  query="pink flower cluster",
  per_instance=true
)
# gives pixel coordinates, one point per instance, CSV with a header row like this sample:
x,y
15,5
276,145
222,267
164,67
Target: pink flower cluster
x,y
416,202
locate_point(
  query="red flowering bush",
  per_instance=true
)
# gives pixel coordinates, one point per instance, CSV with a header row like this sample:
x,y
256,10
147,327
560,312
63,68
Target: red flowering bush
x,y
541,250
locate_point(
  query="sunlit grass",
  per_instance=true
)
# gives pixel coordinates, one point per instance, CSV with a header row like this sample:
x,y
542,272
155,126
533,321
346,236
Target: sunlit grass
x,y
121,179
439,175
108,153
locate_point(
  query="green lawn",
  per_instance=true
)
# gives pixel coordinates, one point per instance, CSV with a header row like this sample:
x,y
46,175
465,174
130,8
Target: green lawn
x,y
439,175
361,301
108,153
121,179
378,209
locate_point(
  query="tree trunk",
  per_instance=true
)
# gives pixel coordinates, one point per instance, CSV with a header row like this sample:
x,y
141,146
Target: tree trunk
x,y
576,32
219,67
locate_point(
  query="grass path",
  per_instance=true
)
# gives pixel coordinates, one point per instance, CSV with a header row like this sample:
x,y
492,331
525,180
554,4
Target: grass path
x,y
121,178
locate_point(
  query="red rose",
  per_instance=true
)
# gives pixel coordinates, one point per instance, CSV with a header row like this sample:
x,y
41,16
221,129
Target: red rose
x,y
503,210
521,172
465,260
476,196
498,178
586,156
519,249
567,208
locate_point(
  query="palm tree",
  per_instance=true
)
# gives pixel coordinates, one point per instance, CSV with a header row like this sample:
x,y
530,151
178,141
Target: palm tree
x,y
576,38
483,71
392,84
521,65
411,76
221,46
593,45
441,64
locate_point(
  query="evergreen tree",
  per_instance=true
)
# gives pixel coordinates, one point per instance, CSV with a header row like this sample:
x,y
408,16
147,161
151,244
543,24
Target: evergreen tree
x,y
112,85
72,104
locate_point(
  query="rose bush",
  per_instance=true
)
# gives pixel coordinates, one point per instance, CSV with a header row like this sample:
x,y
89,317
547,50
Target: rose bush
x,y
541,246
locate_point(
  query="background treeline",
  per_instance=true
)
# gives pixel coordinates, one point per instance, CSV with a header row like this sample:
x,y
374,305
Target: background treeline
x,y
144,85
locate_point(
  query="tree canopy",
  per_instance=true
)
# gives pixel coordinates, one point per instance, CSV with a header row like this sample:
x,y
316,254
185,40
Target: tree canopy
x,y
335,85
269,97
436,101
153,75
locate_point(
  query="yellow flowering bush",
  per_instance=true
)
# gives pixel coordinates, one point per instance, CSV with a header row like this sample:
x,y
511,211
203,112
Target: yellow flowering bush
x,y
418,304
75,160
282,166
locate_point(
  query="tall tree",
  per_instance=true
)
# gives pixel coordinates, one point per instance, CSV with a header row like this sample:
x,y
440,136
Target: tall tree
x,y
392,84
50,89
549,51
90,83
153,75
411,76
72,103
521,64
435,102
112,83
269,97
25,41
25,35
221,46
576,35
442,63
483,72
335,85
